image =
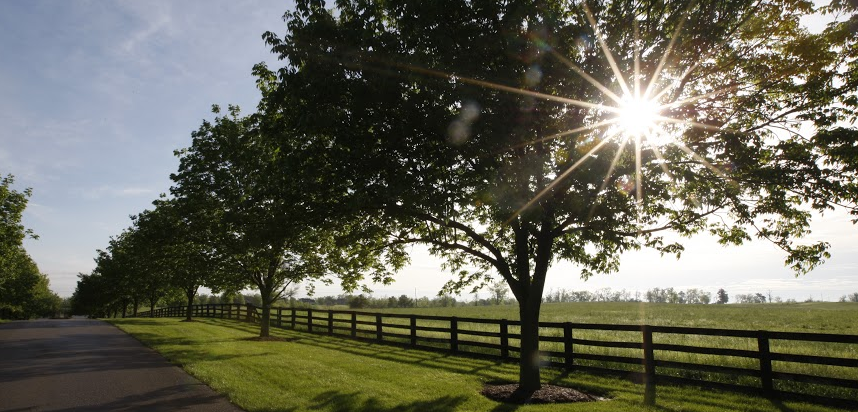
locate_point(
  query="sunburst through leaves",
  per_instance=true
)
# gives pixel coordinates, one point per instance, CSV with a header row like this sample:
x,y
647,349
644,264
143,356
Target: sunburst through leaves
x,y
638,113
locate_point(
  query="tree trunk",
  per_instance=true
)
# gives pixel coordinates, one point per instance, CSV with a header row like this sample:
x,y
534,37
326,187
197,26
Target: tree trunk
x,y
152,300
529,298
528,376
190,295
136,307
265,322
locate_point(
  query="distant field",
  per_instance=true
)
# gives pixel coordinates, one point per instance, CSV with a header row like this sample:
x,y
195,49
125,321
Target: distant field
x,y
820,317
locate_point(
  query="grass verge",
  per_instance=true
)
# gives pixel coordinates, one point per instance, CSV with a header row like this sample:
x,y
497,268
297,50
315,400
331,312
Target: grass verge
x,y
309,372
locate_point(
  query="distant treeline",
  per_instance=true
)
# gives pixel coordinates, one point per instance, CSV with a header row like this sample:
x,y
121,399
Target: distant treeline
x,y
655,295
362,301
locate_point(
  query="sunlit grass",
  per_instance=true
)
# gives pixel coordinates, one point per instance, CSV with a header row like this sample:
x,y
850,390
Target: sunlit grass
x,y
320,373
820,317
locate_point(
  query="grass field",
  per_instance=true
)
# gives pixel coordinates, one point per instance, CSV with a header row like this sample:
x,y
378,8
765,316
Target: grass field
x,y
822,317
819,317
308,372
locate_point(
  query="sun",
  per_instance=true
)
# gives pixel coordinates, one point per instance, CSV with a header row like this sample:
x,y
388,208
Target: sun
x,y
637,116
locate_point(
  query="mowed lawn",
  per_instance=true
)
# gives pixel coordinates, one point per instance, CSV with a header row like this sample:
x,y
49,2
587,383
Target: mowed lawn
x,y
310,372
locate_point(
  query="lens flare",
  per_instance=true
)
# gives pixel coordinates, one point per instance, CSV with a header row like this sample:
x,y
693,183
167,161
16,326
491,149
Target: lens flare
x,y
638,117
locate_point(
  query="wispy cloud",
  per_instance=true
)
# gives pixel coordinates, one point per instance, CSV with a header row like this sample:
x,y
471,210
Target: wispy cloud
x,y
111,191
155,18
134,191
40,212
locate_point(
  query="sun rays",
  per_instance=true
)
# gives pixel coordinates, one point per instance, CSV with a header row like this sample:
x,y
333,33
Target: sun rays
x,y
645,109
639,113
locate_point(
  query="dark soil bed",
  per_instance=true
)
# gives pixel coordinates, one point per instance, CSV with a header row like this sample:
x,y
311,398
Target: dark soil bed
x,y
547,394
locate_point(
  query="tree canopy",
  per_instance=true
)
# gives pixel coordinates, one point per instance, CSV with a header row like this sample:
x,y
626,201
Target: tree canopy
x,y
24,290
267,231
510,135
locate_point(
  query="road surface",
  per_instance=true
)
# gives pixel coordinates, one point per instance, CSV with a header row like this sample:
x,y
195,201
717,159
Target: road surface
x,y
90,365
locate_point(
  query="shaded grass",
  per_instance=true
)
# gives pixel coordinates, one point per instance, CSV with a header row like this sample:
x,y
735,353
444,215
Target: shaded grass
x,y
309,372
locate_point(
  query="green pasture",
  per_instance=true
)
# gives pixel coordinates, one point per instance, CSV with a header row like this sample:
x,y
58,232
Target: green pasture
x,y
821,317
837,318
310,372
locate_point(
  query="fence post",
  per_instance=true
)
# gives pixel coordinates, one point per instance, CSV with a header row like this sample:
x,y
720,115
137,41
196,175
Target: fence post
x,y
378,328
413,330
765,362
330,322
229,311
567,345
649,366
293,318
247,317
309,320
504,338
454,334
279,317
354,324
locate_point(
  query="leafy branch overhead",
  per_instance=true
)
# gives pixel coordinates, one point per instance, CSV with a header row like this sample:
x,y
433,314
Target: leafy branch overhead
x,y
510,135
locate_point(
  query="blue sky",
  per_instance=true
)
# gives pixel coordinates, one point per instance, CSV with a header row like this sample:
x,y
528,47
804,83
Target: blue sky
x,y
96,95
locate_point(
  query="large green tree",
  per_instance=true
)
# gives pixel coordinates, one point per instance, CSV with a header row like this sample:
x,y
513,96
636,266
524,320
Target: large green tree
x,y
24,291
181,231
264,228
12,231
508,135
92,295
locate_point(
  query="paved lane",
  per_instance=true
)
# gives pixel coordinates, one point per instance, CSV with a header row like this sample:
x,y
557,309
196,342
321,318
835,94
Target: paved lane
x,y
90,365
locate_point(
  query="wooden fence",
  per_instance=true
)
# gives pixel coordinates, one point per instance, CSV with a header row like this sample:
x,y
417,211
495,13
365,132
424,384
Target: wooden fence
x,y
816,367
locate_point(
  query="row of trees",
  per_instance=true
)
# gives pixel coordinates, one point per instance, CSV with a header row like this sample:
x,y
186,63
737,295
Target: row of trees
x,y
507,136
234,220
24,290
362,301
656,295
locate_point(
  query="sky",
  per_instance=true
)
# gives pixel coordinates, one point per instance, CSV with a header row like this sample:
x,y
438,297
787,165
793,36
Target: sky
x,y
96,95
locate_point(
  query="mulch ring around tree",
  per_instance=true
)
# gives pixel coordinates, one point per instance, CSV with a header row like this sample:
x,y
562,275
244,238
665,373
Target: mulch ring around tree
x,y
508,393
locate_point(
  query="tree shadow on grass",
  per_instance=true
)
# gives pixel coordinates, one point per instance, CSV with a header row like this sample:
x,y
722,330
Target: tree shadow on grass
x,y
165,399
355,402
485,368
136,321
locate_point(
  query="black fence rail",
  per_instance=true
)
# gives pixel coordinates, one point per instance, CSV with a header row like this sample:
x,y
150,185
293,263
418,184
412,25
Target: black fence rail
x,y
816,367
